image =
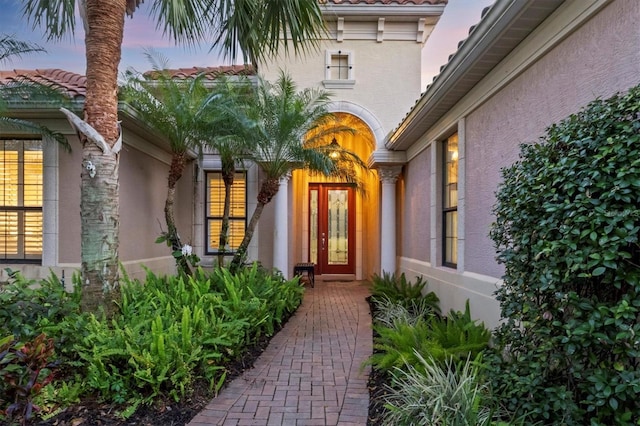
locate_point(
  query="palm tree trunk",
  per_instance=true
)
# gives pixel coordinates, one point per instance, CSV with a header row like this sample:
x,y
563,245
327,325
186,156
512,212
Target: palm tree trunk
x,y
268,190
99,196
228,174
175,173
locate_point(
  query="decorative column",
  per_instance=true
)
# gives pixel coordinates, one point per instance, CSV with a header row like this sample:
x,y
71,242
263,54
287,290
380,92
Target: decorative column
x,y
281,227
388,176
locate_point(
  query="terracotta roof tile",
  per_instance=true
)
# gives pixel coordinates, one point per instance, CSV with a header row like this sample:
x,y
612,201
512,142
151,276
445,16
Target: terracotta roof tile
x,y
71,84
210,73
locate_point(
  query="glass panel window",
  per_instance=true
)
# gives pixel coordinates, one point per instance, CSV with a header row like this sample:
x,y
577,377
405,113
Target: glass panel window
x,y
215,211
338,236
450,201
339,67
20,200
313,226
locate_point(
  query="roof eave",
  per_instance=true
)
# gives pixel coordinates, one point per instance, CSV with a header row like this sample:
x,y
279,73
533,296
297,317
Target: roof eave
x,y
392,10
497,20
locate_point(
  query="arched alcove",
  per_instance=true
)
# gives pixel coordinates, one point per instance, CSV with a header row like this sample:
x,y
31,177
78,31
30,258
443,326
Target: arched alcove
x,y
312,195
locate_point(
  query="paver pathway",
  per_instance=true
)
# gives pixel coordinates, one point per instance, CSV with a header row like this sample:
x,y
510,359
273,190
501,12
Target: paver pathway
x,y
310,374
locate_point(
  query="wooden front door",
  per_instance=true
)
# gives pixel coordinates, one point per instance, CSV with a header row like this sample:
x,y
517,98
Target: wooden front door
x,y
332,228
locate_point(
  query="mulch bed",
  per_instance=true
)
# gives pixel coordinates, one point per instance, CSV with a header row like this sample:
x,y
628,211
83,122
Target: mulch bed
x,y
163,413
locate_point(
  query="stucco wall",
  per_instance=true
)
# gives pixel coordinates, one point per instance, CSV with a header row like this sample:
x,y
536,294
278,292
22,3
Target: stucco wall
x,y
69,169
143,191
599,59
382,85
416,212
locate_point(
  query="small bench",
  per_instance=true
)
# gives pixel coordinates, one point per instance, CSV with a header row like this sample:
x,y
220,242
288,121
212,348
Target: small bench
x,y
309,268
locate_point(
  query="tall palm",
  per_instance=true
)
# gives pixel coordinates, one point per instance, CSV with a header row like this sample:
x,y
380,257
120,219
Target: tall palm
x,y
12,48
289,130
254,26
231,146
174,108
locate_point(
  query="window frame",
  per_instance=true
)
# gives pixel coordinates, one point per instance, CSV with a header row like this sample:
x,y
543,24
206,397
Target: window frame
x,y
207,217
339,83
21,257
448,209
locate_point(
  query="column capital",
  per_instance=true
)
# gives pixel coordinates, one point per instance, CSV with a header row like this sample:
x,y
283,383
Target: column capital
x,y
389,174
285,178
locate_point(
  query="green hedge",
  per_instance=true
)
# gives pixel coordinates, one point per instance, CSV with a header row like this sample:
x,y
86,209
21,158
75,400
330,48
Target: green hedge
x,y
568,230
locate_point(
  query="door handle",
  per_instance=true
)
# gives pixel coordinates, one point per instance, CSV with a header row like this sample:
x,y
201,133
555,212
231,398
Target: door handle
x,y
323,241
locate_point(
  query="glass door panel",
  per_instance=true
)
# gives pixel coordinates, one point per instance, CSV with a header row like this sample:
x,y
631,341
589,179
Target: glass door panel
x,y
332,228
338,238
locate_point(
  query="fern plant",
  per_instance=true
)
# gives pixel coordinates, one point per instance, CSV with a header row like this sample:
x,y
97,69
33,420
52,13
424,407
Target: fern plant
x,y
459,334
456,336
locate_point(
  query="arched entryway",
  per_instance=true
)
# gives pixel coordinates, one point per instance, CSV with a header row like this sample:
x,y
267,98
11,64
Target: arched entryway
x,y
335,224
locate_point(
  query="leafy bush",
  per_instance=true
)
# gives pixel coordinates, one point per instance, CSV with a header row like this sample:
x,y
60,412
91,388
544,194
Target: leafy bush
x,y
172,330
397,289
25,368
454,337
28,306
568,232
428,393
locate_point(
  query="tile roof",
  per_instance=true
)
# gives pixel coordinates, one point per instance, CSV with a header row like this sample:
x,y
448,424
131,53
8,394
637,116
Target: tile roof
x,y
71,84
211,73
75,85
401,2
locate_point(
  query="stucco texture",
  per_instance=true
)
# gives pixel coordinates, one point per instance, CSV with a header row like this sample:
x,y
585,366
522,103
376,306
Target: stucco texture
x,y
600,58
143,191
381,83
416,211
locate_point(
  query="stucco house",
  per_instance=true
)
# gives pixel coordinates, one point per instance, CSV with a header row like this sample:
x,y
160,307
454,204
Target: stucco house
x,y
435,162
523,67
40,213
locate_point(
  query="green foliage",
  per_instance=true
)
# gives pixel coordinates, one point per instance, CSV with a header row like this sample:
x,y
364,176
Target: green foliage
x,y
454,337
397,289
460,335
428,393
568,232
389,312
172,330
28,306
25,368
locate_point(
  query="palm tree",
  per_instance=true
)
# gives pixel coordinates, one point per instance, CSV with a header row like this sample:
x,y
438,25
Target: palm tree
x,y
289,130
10,48
190,113
253,26
232,147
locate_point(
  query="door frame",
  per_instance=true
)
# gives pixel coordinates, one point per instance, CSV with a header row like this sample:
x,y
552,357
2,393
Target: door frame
x,y
322,265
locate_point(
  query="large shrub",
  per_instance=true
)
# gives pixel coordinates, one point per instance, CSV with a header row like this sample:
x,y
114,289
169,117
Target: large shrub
x,y
567,230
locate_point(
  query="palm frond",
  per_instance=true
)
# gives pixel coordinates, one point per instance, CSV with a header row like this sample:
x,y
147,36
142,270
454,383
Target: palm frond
x,y
56,17
258,28
186,21
15,124
10,47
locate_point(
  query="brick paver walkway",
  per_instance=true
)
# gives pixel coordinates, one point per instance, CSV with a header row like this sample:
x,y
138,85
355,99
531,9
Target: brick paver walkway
x,y
310,374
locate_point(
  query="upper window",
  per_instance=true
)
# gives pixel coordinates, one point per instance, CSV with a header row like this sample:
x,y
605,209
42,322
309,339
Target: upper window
x,y
215,211
20,200
450,201
339,71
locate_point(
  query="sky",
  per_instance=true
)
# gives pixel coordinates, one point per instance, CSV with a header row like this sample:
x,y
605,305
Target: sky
x,y
141,33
